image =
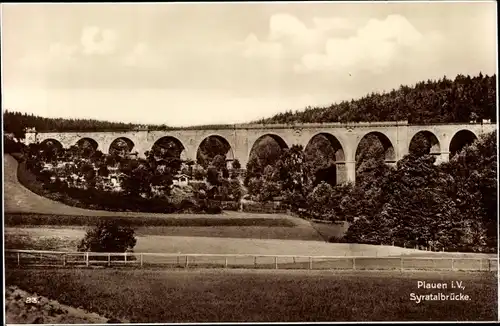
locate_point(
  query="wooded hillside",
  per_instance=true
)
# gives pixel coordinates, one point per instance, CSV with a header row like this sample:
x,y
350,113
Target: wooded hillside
x,y
434,101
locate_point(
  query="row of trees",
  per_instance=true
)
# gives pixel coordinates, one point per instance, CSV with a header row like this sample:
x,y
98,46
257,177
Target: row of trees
x,y
435,101
16,122
451,205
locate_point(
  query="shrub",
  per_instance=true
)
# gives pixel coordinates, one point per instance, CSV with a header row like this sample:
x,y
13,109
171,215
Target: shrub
x,y
335,239
213,209
11,146
236,164
108,236
230,205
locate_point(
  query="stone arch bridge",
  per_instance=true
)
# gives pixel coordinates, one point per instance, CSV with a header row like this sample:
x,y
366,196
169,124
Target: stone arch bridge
x,y
395,136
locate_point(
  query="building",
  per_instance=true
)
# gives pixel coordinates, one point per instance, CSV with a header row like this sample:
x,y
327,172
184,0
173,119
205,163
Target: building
x,y
181,180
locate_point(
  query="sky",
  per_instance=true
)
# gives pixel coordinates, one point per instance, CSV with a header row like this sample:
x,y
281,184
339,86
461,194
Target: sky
x,y
185,64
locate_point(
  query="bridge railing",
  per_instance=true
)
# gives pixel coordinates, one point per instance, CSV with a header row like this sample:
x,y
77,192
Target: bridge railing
x,y
26,258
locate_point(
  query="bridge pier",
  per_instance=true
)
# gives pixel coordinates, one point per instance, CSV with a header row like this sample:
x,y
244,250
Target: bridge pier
x,y
350,167
442,157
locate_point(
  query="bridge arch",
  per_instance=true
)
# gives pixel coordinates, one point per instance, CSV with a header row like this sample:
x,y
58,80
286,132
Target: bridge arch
x,y
169,146
214,144
277,138
388,147
432,146
266,155
121,146
87,141
327,152
461,139
51,142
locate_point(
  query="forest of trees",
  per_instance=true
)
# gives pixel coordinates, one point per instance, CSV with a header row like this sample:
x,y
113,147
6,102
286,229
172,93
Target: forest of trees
x,y
450,206
443,101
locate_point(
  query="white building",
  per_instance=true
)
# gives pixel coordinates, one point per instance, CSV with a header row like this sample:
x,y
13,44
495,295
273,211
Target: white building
x,y
181,180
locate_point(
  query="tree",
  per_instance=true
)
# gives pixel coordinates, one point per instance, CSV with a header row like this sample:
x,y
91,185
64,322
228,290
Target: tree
x,y
108,236
235,189
219,162
120,147
210,148
321,156
236,164
88,172
420,145
103,170
320,201
213,175
473,183
266,152
225,173
137,181
255,186
199,173
294,175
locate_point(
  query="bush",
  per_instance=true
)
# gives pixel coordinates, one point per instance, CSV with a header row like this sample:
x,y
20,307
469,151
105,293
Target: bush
x,y
213,210
230,205
236,164
108,236
11,146
335,239
269,207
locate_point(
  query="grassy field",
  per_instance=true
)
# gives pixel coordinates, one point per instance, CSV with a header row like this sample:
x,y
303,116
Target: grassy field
x,y
44,238
259,296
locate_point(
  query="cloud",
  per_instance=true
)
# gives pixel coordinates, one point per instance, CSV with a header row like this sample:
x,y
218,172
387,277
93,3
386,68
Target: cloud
x,y
57,54
376,46
289,36
334,23
95,40
290,30
142,56
284,25
253,47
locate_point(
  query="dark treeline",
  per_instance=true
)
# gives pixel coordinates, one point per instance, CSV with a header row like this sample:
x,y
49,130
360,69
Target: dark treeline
x,y
15,122
443,101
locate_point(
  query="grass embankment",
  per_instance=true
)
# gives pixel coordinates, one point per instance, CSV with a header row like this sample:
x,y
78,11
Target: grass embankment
x,y
260,296
15,219
65,239
45,311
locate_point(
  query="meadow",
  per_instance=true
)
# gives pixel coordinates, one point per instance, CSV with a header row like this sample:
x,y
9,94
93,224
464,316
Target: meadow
x,y
260,295
65,239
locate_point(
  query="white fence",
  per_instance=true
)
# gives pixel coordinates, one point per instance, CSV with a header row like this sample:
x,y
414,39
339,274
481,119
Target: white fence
x,y
26,258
